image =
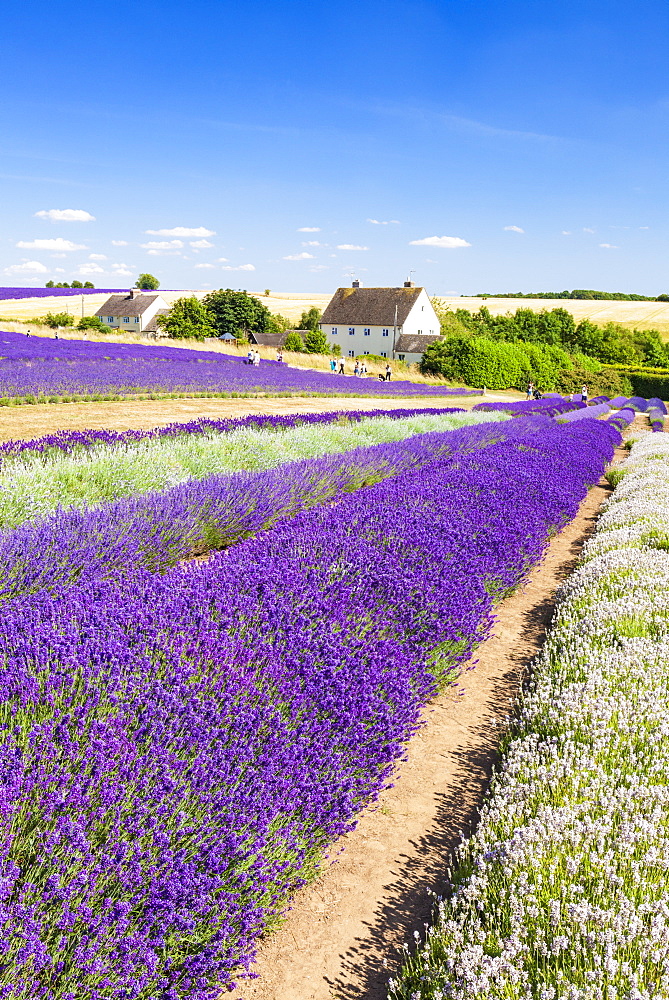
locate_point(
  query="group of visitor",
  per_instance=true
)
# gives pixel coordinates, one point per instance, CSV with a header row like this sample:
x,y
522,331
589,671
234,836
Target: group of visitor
x,y
534,393
337,368
253,357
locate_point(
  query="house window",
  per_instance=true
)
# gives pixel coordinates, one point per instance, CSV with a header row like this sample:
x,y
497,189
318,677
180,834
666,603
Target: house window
x,y
401,357
383,354
384,333
136,319
110,319
419,332
351,331
334,331
367,331
351,354
126,319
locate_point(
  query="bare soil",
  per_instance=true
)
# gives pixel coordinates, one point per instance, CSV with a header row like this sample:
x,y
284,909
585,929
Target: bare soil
x,y
28,421
343,936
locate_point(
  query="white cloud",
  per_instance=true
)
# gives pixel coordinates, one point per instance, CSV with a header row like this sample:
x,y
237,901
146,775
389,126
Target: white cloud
x,y
644,227
311,243
609,246
205,265
201,244
350,246
566,232
59,270
57,256
379,222
28,267
242,267
96,256
121,269
181,231
513,229
57,244
309,229
66,215
162,245
586,230
91,269
445,242
299,256
119,243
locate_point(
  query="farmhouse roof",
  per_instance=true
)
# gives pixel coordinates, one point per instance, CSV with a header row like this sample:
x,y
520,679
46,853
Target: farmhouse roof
x,y
126,305
152,326
370,306
414,343
268,339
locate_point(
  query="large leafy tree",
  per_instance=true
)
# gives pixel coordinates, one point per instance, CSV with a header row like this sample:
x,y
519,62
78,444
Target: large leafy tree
x,y
315,342
237,313
188,319
147,281
310,319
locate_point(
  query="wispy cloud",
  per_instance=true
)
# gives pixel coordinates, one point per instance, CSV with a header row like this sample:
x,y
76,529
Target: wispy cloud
x,y
445,242
609,246
181,231
350,246
65,215
586,230
309,229
154,246
203,266
513,229
55,244
242,267
28,267
91,269
97,256
119,243
389,222
299,256
311,243
201,244
566,232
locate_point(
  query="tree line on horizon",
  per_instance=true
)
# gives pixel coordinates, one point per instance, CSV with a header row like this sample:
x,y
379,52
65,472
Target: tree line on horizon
x,y
576,293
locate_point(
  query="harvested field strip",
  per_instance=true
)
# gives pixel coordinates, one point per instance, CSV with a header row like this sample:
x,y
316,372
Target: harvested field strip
x,y
191,742
562,890
35,486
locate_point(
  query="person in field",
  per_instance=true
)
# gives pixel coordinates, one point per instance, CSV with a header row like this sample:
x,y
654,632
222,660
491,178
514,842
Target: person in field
x,y
530,391
279,355
584,393
341,367
388,372
356,370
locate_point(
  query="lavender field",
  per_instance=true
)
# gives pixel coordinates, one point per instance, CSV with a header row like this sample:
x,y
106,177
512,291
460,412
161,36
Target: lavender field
x,y
184,739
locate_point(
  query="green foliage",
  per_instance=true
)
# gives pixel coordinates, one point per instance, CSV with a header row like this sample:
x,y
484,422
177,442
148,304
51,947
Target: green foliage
x,y
88,284
278,323
479,361
578,293
451,323
147,281
49,284
335,350
294,342
310,319
76,284
237,313
91,323
188,319
55,320
373,357
605,382
315,342
647,385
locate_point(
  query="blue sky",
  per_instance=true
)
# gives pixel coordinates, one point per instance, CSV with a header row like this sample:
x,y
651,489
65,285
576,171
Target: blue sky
x,y
497,146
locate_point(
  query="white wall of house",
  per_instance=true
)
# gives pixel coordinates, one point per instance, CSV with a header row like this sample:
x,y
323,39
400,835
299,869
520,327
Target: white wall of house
x,y
135,323
355,340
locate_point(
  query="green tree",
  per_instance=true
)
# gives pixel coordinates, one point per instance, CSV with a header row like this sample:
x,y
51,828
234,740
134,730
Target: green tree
x,y
55,320
309,320
237,313
315,342
49,284
76,284
147,281
294,342
91,323
278,323
88,284
188,319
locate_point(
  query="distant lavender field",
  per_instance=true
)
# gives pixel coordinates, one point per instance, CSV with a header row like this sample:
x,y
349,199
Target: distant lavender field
x,y
38,293
46,367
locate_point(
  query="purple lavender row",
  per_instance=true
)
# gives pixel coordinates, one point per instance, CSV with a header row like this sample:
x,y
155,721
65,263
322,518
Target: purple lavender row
x,y
622,419
550,407
587,412
178,750
74,441
156,530
40,293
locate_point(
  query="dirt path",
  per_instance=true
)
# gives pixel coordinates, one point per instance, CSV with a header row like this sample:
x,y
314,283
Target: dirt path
x,y
344,935
33,421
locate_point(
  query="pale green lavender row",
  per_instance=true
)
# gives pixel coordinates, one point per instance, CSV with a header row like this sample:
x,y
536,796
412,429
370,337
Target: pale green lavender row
x,y
33,487
562,893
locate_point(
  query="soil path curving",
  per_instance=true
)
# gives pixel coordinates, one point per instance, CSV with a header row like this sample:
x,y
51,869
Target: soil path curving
x,y
344,934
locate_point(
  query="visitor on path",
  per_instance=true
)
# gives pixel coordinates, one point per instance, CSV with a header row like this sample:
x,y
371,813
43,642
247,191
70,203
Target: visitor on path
x,y
27,333
363,370
256,359
530,390
341,368
356,370
249,356
584,393
279,356
388,372
333,365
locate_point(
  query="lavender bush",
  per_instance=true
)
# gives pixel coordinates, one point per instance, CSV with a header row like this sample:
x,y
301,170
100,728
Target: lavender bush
x,y
562,892
179,749
549,407
588,412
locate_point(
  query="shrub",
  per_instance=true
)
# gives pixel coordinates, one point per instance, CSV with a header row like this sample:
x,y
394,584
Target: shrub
x,y
91,323
294,342
54,320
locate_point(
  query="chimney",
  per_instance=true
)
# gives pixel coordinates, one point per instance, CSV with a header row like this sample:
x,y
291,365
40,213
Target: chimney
x,y
409,284
134,292
356,283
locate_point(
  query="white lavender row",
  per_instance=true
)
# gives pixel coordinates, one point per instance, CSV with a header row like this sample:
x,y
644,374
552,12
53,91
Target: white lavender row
x,y
562,892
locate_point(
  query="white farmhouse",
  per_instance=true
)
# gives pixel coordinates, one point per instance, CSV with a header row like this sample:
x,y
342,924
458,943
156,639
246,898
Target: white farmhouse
x,y
396,323
133,311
